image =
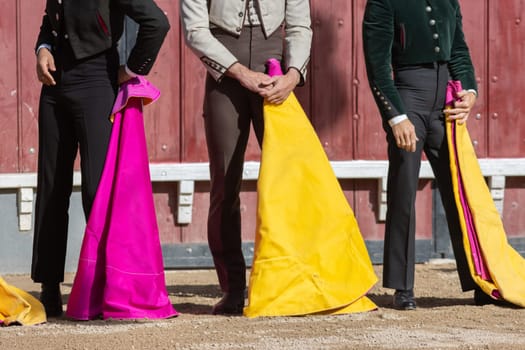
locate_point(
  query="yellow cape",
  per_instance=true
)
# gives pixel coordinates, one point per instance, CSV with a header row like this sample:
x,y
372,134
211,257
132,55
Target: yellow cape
x,y
17,306
506,267
309,255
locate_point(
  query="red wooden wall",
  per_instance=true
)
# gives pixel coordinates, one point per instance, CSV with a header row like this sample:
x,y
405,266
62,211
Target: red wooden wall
x,y
336,97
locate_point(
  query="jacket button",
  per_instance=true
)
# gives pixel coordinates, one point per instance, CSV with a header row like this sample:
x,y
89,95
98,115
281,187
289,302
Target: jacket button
x,y
437,49
241,14
432,22
238,29
428,8
435,35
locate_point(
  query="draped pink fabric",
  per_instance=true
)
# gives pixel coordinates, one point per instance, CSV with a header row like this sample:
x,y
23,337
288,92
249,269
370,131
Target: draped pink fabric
x,y
120,270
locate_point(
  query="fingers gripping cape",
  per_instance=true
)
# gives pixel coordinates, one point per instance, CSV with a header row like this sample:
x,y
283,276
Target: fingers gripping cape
x,y
309,255
120,269
19,307
494,265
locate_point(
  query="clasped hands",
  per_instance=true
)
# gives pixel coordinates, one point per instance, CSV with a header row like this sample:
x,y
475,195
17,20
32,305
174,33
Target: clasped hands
x,y
274,89
404,131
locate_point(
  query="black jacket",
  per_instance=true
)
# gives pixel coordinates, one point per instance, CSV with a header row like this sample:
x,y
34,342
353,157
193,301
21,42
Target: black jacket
x,y
411,32
93,26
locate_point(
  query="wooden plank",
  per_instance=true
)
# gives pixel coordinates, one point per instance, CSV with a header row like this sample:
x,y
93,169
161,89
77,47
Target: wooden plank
x,y
475,25
9,89
162,119
331,76
370,136
30,18
192,139
506,106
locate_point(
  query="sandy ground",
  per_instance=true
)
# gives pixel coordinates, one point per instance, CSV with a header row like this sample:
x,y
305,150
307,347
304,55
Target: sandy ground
x,y
445,319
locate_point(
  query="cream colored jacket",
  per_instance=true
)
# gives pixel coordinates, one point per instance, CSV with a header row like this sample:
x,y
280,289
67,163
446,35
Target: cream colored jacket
x,y
197,19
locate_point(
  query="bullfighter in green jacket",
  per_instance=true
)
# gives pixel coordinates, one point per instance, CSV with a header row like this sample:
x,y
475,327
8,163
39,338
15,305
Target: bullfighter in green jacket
x,y
412,48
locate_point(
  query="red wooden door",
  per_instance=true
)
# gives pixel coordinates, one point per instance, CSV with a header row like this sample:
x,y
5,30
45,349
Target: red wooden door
x,y
505,103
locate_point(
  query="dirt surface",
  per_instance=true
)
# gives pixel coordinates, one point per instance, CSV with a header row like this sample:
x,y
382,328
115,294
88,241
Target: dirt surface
x,y
445,319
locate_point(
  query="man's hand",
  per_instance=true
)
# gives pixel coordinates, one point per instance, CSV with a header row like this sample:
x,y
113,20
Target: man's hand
x,y
405,135
45,64
281,87
254,81
462,107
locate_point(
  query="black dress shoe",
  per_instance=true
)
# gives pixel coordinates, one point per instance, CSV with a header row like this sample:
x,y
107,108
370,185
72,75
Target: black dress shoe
x,y
480,299
404,300
51,299
230,304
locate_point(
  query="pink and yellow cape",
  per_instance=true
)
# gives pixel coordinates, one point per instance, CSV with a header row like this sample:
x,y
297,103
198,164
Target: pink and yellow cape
x,y
494,265
309,255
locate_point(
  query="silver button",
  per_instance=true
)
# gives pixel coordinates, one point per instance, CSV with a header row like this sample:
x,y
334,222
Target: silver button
x,y
59,1
435,35
428,8
66,36
437,49
54,33
432,22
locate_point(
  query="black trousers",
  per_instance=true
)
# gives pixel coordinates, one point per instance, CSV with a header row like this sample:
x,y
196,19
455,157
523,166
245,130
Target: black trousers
x,y
422,89
72,115
229,109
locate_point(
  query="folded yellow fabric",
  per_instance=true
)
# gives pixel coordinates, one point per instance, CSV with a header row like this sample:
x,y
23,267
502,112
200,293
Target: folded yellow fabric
x,y
506,267
18,306
310,257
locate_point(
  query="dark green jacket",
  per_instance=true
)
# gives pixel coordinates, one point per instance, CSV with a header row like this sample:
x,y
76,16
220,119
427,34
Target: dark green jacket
x,y
411,32
94,26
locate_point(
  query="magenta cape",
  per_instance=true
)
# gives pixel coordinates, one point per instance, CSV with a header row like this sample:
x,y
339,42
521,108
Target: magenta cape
x,y
494,265
120,269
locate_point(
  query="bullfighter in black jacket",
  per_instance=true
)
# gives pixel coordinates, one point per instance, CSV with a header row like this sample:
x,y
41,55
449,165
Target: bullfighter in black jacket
x,y
78,65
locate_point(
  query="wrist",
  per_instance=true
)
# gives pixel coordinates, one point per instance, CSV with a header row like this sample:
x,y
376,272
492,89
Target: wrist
x,y
236,71
397,119
295,75
43,46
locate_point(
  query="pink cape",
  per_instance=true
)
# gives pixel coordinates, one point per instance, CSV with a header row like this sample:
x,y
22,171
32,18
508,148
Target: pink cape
x,y
120,271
